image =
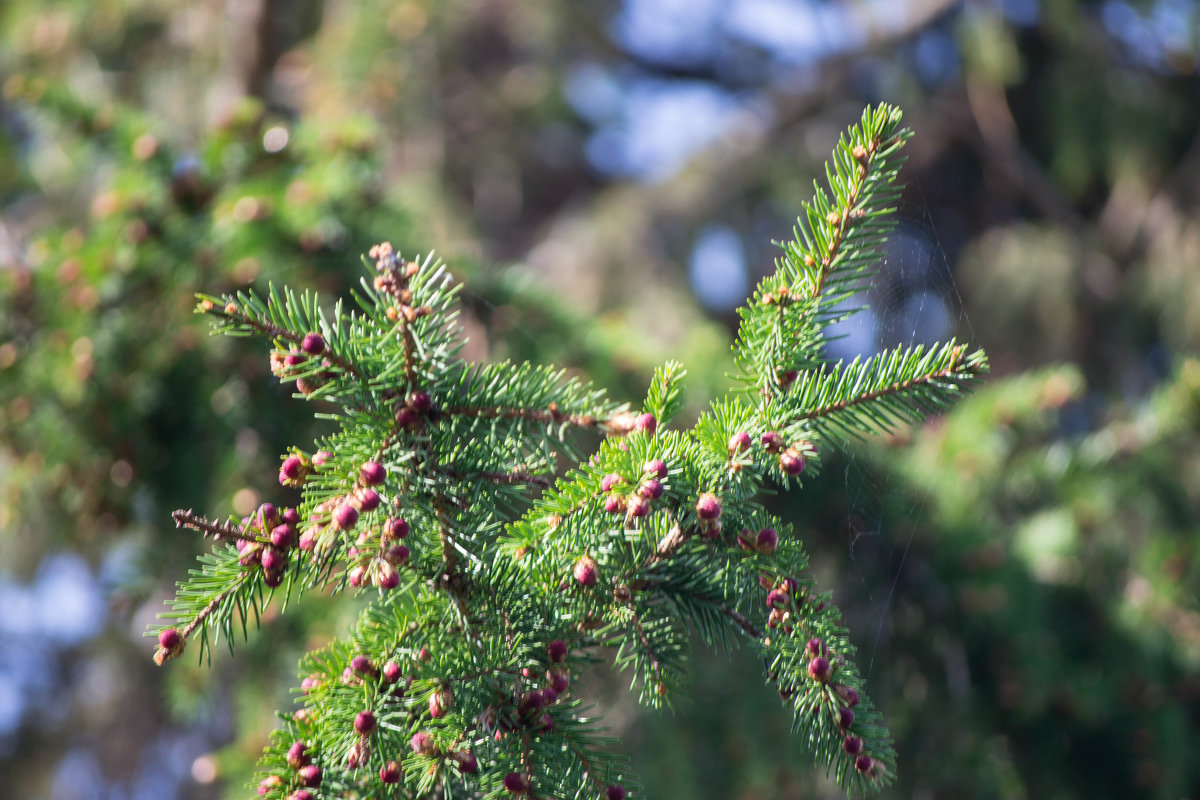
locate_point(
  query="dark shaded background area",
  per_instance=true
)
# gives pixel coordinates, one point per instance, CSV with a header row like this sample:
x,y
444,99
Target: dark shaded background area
x,y
1021,576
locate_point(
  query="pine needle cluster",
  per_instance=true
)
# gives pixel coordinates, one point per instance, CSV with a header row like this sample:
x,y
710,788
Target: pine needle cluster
x,y
494,578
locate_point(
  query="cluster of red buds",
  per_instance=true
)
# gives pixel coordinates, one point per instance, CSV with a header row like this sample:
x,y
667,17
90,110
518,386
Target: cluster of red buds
x,y
529,709
304,772
636,503
378,551
766,541
294,363
423,743
790,457
267,537
786,598
393,278
413,411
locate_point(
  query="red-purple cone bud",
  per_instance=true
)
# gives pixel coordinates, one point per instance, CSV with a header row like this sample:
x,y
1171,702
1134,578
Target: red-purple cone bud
x,y
615,791
586,572
651,489
767,541
390,772
849,696
530,703
297,755
646,422
321,458
268,516
357,576
310,775
852,745
301,794
422,743
614,504
283,536
313,344
268,783
637,506
290,516
815,646
405,417
845,718
609,481
559,681
467,763
440,702
391,671
420,402
549,696
345,516
516,783
273,559
739,443
396,555
395,528
372,473
791,461
365,723
863,763
368,500
772,441
291,471
708,507
386,576
308,541
655,468
169,638
362,665
776,598
557,651
820,670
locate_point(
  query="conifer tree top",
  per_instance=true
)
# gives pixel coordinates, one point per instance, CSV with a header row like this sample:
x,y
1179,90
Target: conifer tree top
x,y
493,578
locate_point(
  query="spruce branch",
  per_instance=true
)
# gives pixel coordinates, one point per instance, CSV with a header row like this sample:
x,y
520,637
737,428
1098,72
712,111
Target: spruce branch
x,y
883,391
494,580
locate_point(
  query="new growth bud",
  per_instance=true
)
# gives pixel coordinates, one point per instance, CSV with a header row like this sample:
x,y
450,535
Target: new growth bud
x,y
313,344
516,783
372,473
708,507
767,541
586,571
345,516
422,744
310,775
820,670
297,755
467,763
791,461
655,468
390,772
170,645
292,471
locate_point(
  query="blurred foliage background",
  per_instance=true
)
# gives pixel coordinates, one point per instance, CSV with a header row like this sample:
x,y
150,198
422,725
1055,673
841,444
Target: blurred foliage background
x,y
1021,576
